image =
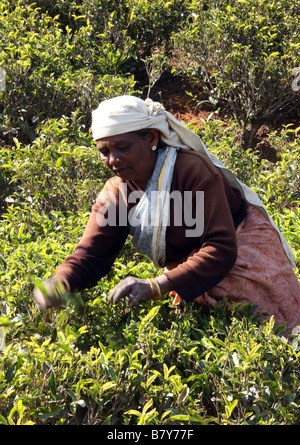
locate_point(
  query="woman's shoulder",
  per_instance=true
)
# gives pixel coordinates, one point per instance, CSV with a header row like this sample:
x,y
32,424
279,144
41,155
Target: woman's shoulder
x,y
189,162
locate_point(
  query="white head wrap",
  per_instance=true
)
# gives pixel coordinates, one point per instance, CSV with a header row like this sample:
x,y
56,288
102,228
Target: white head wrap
x,y
124,114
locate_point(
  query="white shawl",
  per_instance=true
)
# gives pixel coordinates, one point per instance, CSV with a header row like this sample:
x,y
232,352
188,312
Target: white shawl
x,y
150,218
125,114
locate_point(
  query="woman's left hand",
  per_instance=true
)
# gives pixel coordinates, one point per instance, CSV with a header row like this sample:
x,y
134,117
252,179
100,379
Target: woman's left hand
x,y
135,289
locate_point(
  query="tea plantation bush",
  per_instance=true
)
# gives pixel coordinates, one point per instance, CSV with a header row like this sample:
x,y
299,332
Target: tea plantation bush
x,y
90,363
53,70
243,55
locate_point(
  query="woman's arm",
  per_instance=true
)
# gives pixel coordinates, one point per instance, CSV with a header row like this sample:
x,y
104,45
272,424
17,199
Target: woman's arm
x,y
209,263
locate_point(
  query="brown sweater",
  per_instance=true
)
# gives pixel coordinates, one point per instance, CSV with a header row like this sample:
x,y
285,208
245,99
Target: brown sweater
x,y
197,263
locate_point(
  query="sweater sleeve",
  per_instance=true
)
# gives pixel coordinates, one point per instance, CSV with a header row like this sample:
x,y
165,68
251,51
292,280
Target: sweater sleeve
x,y
209,263
99,245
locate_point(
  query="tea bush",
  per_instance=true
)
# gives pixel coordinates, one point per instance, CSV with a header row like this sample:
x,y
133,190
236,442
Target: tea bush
x,y
88,362
249,69
153,365
64,56
52,70
143,25
67,177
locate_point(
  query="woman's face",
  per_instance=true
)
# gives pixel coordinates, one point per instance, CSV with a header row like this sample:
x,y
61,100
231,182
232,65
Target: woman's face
x,y
129,156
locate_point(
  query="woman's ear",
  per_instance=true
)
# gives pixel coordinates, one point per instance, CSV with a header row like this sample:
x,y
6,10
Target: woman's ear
x,y
153,137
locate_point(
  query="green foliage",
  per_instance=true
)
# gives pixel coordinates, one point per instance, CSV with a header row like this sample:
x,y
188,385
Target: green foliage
x,y
69,173
250,67
91,363
142,24
153,365
64,56
53,70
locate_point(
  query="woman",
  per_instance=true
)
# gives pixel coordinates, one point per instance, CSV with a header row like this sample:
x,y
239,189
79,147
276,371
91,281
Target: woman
x,y
209,232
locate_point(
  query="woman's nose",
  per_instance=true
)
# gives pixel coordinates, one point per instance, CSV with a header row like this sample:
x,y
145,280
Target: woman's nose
x,y
113,158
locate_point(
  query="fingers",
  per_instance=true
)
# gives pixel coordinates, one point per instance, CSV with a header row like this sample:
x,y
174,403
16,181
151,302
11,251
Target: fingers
x,y
121,290
51,294
134,289
134,299
39,299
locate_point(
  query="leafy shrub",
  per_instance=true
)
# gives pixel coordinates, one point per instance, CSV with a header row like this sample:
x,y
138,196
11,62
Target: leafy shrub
x,y
143,25
69,174
92,363
64,56
52,71
88,362
232,373
248,69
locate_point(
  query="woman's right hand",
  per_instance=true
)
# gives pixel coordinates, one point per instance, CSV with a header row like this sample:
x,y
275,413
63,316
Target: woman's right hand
x,y
52,293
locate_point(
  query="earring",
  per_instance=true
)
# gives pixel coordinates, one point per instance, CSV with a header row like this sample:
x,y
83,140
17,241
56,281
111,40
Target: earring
x,y
153,148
